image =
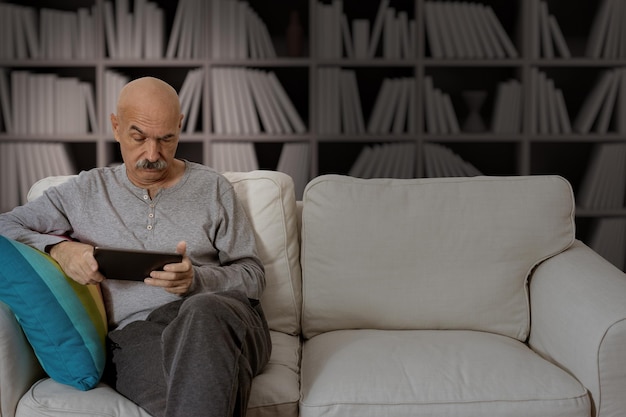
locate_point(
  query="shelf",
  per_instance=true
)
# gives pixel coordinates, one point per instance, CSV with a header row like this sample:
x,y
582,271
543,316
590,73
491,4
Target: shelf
x,y
501,148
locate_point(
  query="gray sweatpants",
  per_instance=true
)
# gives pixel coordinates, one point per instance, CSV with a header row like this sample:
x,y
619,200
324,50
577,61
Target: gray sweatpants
x,y
193,357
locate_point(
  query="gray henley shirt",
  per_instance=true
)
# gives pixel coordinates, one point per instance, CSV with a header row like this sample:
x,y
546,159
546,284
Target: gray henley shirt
x,y
102,207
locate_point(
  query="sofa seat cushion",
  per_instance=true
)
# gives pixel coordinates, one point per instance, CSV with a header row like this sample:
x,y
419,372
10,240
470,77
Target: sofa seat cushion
x,y
428,253
274,392
443,373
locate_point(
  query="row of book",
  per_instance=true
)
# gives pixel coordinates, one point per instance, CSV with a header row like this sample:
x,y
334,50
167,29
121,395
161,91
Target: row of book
x,y
241,157
547,38
550,114
139,33
438,110
397,160
237,31
607,37
465,30
24,163
392,32
248,101
604,108
46,104
30,33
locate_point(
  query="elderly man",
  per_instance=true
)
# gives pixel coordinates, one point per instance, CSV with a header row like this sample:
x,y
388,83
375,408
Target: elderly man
x,y
188,340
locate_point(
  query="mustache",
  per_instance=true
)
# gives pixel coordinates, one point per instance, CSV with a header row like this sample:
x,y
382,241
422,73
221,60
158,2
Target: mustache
x,y
146,164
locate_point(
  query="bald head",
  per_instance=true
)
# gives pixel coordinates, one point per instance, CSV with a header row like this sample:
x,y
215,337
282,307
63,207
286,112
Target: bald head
x,y
148,94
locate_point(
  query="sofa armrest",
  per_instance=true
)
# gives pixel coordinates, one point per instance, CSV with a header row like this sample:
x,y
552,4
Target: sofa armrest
x,y
19,367
578,307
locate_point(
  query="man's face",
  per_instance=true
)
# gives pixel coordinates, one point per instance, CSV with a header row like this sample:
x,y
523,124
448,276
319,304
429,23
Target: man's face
x,y
148,142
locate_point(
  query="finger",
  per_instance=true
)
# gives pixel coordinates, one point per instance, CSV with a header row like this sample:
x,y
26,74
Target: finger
x,y
181,247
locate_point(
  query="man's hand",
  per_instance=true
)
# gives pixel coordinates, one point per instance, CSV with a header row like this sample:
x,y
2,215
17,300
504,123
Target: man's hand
x,y
77,261
175,278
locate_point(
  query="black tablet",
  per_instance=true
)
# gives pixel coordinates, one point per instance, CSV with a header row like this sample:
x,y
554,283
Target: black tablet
x,y
134,265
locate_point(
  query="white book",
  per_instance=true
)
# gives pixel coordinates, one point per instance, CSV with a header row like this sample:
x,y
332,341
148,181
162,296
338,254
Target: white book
x,y
432,31
348,44
6,31
559,39
217,82
611,46
5,102
407,48
391,41
485,22
231,112
270,124
399,120
138,16
440,112
283,123
591,183
90,104
497,125
286,104
294,161
589,110
244,110
355,101
377,28
347,111
621,102
28,22
241,39
457,29
248,102
175,33
19,37
473,14
198,89
412,112
390,106
553,111
360,37
544,108
501,34
379,106
564,120
451,119
534,28
547,48
109,29
443,28
606,111
362,161
123,21
470,30
430,106
598,32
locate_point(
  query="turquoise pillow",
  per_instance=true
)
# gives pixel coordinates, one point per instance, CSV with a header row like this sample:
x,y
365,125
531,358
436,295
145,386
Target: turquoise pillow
x,y
63,320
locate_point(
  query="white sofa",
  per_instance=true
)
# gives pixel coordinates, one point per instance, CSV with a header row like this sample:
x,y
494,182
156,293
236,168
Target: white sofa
x,y
425,297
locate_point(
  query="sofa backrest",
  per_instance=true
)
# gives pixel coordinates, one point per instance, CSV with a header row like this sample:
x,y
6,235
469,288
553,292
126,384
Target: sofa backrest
x,y
446,253
268,198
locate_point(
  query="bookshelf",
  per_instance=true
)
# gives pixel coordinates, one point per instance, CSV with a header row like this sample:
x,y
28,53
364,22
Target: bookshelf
x,y
425,93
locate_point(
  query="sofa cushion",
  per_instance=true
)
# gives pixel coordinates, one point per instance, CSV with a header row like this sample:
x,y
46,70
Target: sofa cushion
x,y
444,253
433,373
269,200
275,392
63,320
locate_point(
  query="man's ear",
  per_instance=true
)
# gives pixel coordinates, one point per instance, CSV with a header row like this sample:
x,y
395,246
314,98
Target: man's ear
x,y
180,121
114,125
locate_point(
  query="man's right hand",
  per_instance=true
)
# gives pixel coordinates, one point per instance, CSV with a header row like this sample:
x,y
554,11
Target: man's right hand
x,y
77,261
